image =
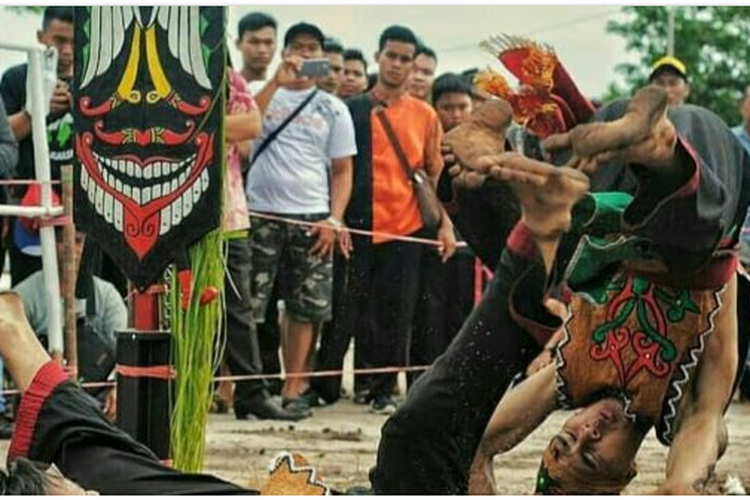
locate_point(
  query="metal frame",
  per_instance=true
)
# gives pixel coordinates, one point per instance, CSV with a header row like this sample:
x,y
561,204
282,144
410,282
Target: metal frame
x,y
46,210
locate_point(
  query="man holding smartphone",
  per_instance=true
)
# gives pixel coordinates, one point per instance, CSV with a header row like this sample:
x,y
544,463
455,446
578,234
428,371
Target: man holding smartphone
x,y
305,133
57,31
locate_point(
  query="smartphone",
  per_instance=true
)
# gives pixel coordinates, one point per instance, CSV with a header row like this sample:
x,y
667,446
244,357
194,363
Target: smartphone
x,y
314,68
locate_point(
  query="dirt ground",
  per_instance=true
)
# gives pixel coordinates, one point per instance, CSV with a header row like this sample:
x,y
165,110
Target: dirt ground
x,y
341,442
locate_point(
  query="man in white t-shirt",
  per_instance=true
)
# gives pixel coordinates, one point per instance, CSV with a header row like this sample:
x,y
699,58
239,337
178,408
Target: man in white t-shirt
x,y
305,174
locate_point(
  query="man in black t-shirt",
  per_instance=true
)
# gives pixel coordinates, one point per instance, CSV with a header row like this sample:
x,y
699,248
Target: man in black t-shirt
x,y
57,31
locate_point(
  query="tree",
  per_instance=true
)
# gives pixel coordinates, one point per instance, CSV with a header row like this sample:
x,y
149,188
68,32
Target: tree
x,y
711,41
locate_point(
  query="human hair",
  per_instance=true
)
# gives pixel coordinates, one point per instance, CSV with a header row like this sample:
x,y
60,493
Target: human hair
x,y
397,33
449,83
332,46
424,50
255,21
22,478
355,55
64,14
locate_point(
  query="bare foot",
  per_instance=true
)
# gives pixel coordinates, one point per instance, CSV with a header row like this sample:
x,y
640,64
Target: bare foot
x,y
643,135
483,134
547,193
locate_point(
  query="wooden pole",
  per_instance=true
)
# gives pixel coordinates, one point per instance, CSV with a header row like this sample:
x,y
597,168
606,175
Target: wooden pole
x,y
69,272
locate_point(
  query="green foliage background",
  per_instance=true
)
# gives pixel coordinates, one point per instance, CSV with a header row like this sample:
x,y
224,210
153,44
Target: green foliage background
x,y
714,43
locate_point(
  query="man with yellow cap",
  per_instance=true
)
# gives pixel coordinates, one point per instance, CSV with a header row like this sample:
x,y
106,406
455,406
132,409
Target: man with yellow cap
x,y
670,74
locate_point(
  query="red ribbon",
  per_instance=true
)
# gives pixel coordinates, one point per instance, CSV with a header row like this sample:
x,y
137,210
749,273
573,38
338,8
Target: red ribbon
x,y
163,372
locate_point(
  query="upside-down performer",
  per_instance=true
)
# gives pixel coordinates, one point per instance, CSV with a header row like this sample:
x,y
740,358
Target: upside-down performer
x,y
651,340
688,171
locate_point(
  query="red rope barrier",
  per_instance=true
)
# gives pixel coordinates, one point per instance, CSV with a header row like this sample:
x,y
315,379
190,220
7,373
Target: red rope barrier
x,y
241,378
360,232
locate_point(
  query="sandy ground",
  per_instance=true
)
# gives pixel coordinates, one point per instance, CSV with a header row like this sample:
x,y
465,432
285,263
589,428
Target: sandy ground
x,y
341,441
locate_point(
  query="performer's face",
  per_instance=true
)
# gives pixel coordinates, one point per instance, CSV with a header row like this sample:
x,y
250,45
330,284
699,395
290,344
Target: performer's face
x,y
598,441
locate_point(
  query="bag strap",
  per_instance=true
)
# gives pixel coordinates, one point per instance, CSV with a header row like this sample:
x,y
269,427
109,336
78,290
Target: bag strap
x,y
273,135
403,161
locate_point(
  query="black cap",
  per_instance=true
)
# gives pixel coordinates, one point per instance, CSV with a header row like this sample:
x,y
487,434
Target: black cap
x,y
303,29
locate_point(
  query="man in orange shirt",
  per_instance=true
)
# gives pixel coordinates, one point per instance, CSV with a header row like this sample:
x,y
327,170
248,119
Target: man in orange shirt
x,y
379,289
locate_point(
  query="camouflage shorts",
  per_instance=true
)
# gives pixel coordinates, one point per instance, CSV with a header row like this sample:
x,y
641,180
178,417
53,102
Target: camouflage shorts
x,y
305,281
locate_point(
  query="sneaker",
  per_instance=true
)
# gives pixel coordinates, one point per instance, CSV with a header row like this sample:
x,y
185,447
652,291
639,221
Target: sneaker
x,y
383,405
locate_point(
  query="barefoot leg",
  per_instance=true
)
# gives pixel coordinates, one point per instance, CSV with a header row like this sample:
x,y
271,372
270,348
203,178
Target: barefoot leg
x,y
19,347
643,135
547,193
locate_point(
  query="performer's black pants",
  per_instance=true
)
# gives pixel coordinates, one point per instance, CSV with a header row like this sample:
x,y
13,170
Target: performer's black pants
x,y
427,447
59,423
446,297
242,353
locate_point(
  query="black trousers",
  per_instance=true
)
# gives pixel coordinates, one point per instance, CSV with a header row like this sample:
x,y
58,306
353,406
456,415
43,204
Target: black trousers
x,y
428,445
269,341
446,298
242,353
375,294
58,422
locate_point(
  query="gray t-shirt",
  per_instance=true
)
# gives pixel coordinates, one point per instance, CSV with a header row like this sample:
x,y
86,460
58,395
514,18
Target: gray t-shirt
x,y
111,313
292,175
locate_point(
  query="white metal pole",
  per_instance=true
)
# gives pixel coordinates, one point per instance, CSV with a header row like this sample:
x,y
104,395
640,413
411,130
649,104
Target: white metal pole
x,y
670,30
46,232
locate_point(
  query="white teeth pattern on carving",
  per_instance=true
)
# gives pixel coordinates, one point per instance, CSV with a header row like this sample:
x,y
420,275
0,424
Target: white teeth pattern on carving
x,y
138,172
118,215
157,169
204,180
148,171
99,203
157,191
130,166
175,185
127,191
183,177
92,191
165,189
108,210
137,195
118,185
146,197
166,220
177,211
84,179
187,203
197,190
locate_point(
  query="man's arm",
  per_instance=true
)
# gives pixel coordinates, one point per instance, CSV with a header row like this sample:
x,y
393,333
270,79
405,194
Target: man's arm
x,y
8,147
519,413
433,164
341,186
702,436
286,74
341,191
